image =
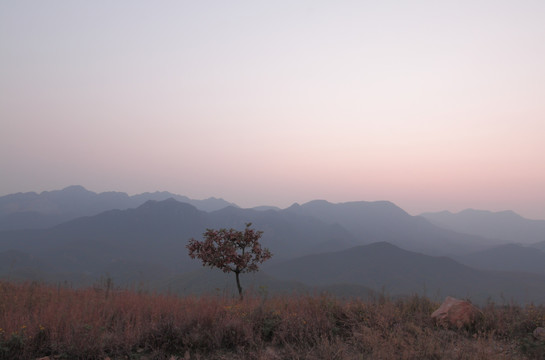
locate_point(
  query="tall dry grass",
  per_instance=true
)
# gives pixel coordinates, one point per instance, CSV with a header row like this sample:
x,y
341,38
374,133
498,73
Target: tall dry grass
x,y
39,320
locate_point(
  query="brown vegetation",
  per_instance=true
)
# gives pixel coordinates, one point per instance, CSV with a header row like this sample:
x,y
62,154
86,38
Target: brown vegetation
x,y
96,323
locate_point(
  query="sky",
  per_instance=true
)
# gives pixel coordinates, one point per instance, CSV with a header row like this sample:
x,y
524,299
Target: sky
x,y
433,105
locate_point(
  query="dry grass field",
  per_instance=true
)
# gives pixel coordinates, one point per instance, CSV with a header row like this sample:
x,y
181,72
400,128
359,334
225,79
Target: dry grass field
x,y
101,322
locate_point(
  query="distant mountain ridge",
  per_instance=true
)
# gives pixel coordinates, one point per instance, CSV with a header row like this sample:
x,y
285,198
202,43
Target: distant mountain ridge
x,y
504,225
350,248
147,245
509,257
156,234
384,221
383,266
38,211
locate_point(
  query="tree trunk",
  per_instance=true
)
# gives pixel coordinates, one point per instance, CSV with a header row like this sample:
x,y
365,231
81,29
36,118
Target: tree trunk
x,y
238,284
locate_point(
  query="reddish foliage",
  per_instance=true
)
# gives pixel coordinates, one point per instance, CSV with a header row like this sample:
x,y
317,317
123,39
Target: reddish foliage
x,y
230,250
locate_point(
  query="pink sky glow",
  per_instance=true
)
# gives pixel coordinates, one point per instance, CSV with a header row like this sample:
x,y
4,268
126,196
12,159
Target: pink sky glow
x,y
431,105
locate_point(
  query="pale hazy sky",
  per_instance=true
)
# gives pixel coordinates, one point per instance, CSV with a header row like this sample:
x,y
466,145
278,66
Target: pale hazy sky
x,y
434,105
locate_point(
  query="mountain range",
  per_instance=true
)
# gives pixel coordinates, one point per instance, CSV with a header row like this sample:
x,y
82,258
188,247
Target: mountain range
x,y
156,233
504,225
509,257
384,221
349,249
384,267
37,211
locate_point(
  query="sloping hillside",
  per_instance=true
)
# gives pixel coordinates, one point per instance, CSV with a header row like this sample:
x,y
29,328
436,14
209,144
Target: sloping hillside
x,y
384,221
510,257
154,236
385,267
504,225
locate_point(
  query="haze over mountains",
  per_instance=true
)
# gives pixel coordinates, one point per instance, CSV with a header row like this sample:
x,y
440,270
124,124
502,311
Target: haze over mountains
x,y
383,266
349,248
505,225
34,211
384,221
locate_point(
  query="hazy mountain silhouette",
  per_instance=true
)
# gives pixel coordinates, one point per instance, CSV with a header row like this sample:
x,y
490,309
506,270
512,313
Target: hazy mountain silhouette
x,y
317,243
154,235
385,267
37,211
510,257
286,234
540,245
384,221
18,265
265,208
504,225
215,282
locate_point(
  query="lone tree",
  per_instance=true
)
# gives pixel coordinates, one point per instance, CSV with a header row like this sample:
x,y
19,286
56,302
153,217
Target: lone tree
x,y
230,251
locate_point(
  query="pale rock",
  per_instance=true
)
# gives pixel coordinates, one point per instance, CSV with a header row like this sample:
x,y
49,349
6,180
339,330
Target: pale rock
x,y
456,313
539,333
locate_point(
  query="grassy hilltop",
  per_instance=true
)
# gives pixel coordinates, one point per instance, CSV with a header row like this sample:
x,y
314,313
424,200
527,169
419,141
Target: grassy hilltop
x,y
103,322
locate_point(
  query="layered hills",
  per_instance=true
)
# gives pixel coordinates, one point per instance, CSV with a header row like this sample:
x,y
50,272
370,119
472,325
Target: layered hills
x,y
37,211
349,249
384,267
509,257
384,221
153,237
503,225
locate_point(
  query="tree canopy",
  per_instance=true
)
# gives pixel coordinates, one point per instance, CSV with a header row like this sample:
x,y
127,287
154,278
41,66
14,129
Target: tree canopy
x,y
230,250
